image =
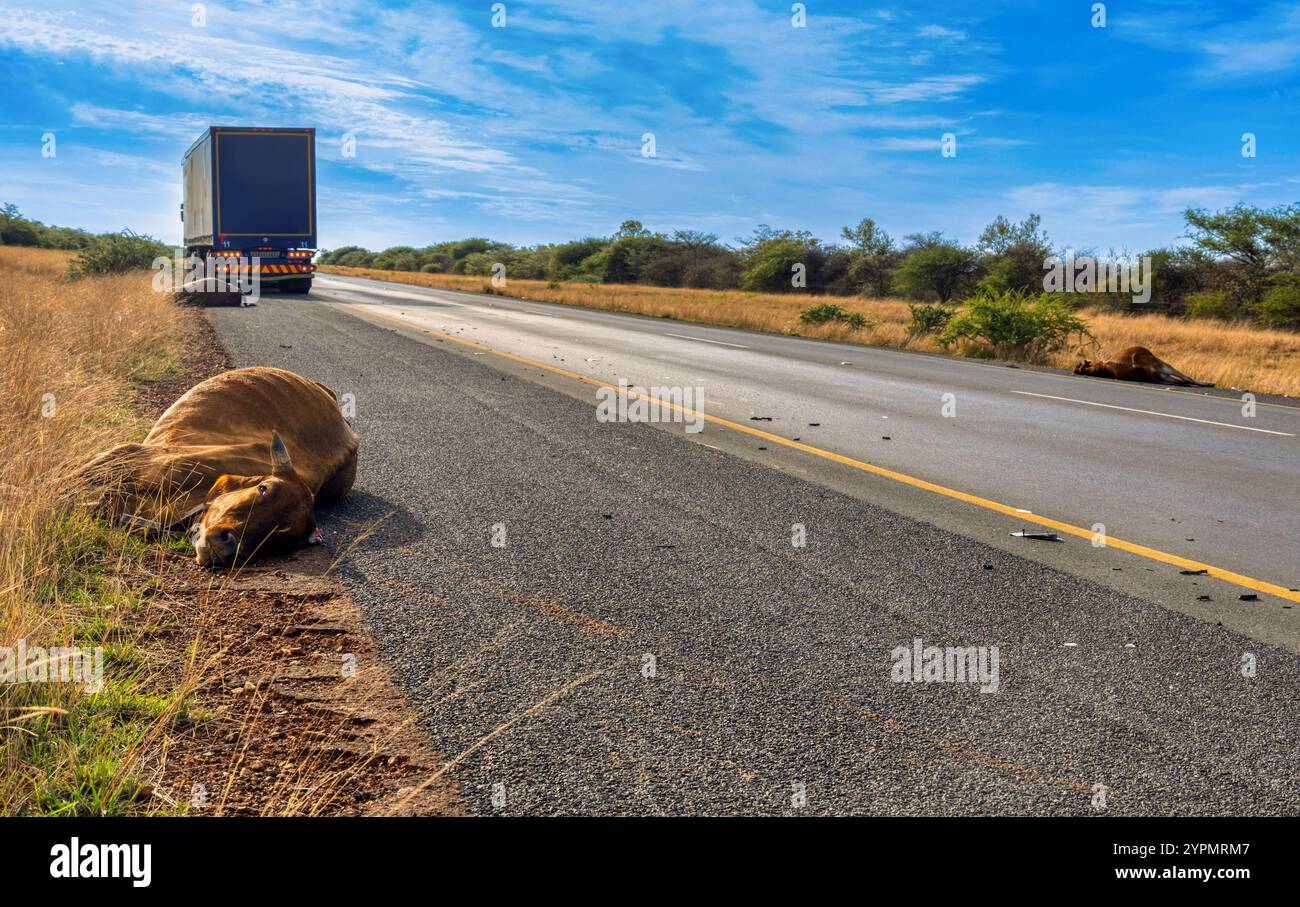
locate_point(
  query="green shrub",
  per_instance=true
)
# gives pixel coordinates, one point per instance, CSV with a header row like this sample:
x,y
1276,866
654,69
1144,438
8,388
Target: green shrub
x,y
1015,325
359,258
397,258
117,253
477,264
928,318
828,312
337,256
1280,307
1218,304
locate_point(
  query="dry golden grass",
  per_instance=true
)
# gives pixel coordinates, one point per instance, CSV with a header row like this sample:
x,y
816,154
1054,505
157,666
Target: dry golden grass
x,y
74,354
1230,355
71,352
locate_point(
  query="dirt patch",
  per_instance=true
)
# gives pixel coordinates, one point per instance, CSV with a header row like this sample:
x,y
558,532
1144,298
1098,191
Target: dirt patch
x,y
297,712
294,710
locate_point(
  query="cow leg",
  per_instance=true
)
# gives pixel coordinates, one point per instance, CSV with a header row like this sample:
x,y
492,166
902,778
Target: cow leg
x,y
1177,377
109,480
138,482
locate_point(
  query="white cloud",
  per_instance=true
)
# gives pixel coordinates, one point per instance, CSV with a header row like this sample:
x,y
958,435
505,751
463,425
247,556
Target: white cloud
x,y
1223,40
930,88
875,121
1104,214
898,143
333,92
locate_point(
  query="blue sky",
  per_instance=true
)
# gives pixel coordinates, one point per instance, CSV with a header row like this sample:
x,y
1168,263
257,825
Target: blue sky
x,y
533,132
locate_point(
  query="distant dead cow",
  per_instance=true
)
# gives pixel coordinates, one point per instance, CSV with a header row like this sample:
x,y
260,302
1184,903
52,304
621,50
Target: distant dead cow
x,y
241,461
1137,363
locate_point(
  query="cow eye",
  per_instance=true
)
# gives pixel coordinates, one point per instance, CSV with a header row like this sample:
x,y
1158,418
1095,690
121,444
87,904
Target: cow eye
x,y
261,489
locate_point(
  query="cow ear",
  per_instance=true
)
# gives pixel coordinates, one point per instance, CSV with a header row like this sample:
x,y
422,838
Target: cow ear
x,y
220,487
280,462
226,484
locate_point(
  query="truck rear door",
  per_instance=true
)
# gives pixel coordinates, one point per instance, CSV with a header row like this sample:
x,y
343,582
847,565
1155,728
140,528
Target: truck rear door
x,y
265,186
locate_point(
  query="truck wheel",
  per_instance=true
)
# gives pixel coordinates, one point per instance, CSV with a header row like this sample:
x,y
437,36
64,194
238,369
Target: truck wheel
x,y
296,286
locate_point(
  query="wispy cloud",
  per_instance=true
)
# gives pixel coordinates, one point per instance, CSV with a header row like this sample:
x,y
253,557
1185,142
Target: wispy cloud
x,y
928,88
939,31
1225,39
1108,213
533,131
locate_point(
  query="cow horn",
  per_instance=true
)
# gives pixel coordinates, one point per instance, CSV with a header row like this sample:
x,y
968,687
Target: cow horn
x,y
280,461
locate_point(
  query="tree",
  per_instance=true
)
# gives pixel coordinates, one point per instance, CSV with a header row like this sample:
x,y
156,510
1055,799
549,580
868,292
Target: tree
x,y
1176,273
528,263
567,258
941,269
16,230
696,240
925,240
631,228
1282,233
19,232
873,257
1236,234
1013,255
772,259
469,246
398,258
1002,235
634,258
772,266
1253,245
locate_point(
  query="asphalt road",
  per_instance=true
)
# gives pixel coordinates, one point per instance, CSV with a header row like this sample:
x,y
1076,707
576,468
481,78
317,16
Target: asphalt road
x,y
648,639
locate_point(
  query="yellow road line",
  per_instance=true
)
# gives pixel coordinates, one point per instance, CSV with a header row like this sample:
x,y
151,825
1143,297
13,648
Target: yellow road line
x,y
1163,557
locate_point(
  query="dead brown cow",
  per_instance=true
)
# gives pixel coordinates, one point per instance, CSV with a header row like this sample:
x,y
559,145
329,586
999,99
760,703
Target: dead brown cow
x,y
1137,363
242,459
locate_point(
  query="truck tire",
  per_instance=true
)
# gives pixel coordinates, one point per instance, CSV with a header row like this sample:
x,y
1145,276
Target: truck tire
x,y
296,286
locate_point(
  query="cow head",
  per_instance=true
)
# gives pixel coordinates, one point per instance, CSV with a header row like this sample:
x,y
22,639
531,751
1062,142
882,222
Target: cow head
x,y
1084,368
250,515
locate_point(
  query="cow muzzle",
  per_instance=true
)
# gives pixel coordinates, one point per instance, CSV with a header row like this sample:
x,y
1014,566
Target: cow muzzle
x,y
218,548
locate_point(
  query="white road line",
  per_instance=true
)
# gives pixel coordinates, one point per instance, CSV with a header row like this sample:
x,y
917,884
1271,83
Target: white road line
x,y
702,340
1147,412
